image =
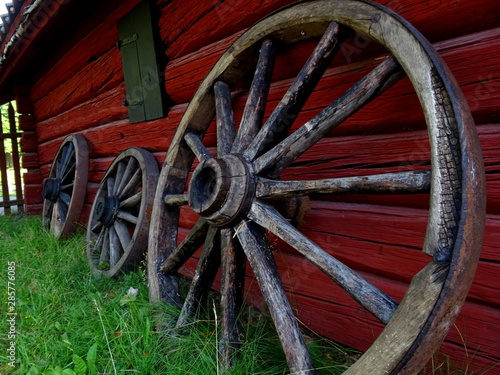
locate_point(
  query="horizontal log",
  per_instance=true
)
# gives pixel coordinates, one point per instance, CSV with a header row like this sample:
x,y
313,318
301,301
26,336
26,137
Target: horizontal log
x,y
113,138
106,73
103,109
32,178
26,122
98,34
475,73
30,161
29,141
203,23
33,194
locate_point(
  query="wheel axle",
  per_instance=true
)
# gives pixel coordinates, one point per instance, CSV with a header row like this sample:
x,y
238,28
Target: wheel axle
x,y
51,189
107,209
222,189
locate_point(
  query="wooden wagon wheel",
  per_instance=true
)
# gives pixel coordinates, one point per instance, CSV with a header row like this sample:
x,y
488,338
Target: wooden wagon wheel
x,y
117,231
234,192
65,188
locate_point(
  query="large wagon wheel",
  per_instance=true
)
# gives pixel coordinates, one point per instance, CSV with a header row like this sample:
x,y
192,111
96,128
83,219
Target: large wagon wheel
x,y
234,192
65,188
117,231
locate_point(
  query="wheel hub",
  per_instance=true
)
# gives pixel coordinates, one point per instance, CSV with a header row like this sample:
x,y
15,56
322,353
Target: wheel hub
x,y
221,190
107,209
51,189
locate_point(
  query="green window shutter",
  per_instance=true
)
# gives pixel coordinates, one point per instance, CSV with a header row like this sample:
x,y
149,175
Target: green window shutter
x,y
143,81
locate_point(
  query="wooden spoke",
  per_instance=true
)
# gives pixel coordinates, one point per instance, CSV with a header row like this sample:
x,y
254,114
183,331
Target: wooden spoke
x,y
115,248
287,110
176,199
368,88
226,131
68,186
97,227
200,151
132,167
370,297
257,98
63,162
122,208
120,173
233,278
204,276
123,233
65,198
68,174
387,183
104,242
67,183
127,217
254,242
62,210
192,242
132,201
132,184
110,183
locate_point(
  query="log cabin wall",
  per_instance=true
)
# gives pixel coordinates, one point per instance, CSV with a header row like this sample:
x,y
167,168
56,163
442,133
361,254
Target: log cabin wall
x,y
80,89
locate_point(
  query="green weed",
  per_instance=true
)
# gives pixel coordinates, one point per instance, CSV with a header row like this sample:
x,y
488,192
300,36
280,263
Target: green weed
x,y
70,323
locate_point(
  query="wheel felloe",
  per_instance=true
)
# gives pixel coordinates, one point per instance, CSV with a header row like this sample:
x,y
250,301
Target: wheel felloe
x,y
238,194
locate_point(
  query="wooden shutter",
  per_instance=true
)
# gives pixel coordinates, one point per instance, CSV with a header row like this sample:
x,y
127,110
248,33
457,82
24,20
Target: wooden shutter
x,y
143,81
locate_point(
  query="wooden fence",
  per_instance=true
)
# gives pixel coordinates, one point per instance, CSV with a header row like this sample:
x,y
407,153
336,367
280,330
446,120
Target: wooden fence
x,y
10,168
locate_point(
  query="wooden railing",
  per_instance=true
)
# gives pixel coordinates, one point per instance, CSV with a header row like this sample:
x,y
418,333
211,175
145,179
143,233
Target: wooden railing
x,y
10,171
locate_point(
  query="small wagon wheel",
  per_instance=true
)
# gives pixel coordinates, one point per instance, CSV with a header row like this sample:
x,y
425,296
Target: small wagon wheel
x,y
117,231
64,190
234,192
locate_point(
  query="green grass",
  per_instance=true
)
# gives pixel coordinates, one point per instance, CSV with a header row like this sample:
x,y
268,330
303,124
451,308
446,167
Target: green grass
x,y
69,322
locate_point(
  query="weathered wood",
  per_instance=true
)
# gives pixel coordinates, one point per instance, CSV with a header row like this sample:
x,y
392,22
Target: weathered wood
x,y
15,158
394,183
260,257
94,37
203,278
257,98
184,75
285,113
186,249
232,283
277,159
194,142
199,24
67,178
446,278
106,73
3,174
226,130
122,206
102,109
374,300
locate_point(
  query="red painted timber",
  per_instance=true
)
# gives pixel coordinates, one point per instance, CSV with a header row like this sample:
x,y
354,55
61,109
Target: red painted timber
x,y
106,73
103,109
201,23
472,59
325,309
95,38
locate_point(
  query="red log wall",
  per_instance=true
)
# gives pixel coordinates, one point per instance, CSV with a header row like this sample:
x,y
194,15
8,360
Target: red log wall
x,y
82,90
